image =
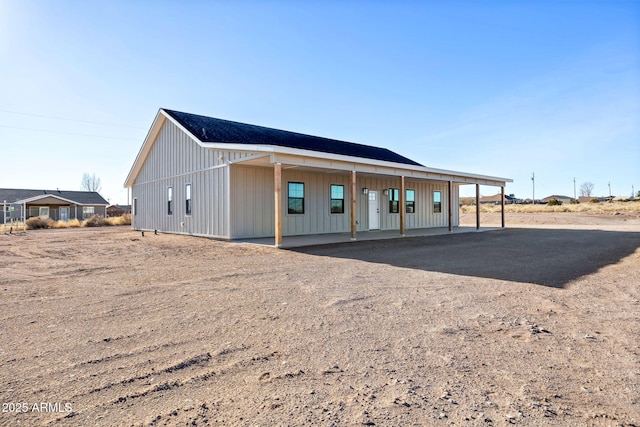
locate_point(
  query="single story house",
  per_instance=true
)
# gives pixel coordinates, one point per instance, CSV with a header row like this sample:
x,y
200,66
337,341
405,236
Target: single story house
x,y
590,199
497,199
565,200
209,177
118,210
54,204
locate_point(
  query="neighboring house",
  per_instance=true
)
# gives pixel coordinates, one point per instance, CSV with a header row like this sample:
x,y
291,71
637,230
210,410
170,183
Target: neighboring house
x,y
497,198
563,199
210,177
118,210
588,199
54,204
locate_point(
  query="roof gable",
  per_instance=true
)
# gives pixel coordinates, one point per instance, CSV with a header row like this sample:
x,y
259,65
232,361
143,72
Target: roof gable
x,y
208,129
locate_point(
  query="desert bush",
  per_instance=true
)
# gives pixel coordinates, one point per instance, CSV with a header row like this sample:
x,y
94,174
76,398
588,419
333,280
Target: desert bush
x,y
95,221
119,220
60,224
581,207
595,201
74,223
554,202
36,222
16,226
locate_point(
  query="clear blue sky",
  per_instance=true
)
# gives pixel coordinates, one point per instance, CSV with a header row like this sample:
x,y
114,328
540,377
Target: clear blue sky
x,y
502,88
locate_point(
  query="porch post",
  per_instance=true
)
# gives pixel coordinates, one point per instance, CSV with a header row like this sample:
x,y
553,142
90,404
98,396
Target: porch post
x,y
477,206
352,211
450,197
403,214
277,184
502,205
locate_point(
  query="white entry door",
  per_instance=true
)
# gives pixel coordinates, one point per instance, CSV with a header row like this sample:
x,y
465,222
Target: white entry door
x,y
64,213
374,210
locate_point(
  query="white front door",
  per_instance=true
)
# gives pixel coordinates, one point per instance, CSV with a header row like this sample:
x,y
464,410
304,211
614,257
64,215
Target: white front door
x,y
374,210
64,213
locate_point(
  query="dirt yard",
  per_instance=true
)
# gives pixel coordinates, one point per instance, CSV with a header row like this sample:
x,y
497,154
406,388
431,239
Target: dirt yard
x,y
529,326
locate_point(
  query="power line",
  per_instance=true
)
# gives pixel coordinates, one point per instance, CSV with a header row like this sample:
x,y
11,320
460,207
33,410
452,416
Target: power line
x,y
70,120
69,133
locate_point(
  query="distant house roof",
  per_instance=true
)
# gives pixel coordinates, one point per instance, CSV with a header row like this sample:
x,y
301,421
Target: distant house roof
x,y
556,197
13,195
208,129
495,198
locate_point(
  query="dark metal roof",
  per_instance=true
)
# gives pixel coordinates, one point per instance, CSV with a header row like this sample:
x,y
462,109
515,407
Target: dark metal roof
x,y
208,129
12,195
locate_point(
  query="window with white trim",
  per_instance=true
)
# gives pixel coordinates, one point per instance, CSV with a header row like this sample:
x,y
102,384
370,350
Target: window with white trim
x,y
88,212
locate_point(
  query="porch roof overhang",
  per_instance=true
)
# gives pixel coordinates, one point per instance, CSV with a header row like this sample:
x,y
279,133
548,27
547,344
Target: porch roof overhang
x,y
266,155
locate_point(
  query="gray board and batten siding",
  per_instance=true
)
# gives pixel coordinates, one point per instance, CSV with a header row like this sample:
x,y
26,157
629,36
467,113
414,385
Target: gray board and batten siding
x,y
230,169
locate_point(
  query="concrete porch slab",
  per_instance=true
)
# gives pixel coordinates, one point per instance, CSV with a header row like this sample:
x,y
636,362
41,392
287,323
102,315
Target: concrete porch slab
x,y
324,239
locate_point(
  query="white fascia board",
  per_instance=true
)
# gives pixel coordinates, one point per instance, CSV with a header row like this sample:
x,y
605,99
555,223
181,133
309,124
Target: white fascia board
x,y
44,196
146,148
161,117
392,167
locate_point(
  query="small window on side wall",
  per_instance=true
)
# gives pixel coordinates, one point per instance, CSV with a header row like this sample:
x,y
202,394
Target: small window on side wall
x,y
169,201
411,201
394,200
337,199
296,198
187,205
437,203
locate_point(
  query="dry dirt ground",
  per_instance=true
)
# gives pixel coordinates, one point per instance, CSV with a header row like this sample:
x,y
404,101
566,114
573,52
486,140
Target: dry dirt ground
x,y
525,326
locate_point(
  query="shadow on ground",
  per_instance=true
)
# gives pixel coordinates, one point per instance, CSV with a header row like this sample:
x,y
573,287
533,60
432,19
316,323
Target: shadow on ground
x,y
545,257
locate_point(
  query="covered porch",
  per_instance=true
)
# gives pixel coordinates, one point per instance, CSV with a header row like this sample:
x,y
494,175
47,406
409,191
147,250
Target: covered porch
x,y
434,209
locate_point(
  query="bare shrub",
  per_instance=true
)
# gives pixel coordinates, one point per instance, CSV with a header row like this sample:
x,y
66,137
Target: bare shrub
x,y
37,222
74,223
119,220
60,224
95,221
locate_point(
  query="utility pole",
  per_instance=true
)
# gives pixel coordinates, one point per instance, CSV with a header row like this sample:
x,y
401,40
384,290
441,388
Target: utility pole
x,y
609,190
533,180
574,189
